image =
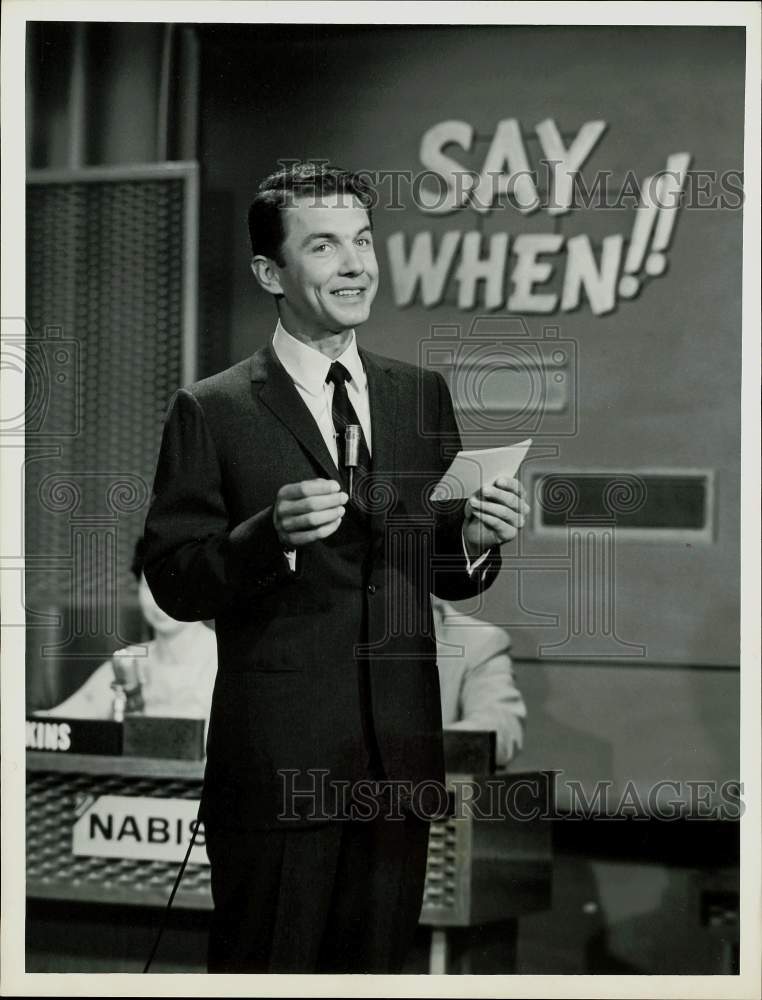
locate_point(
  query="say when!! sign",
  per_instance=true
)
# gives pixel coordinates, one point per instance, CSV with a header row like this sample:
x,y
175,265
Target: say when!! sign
x,y
534,272
140,827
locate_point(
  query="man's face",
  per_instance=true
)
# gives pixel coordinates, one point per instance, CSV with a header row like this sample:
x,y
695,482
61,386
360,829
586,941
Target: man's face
x,y
329,276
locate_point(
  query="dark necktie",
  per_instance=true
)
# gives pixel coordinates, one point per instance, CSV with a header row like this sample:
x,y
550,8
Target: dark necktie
x,y
343,414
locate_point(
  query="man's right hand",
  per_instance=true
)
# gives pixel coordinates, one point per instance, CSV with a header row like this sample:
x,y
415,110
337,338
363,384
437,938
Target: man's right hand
x,y
304,512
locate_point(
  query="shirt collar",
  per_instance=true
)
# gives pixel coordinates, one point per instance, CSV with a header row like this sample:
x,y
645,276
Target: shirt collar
x,y
308,367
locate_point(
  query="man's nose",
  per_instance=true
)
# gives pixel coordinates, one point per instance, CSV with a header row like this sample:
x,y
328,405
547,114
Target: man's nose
x,y
351,262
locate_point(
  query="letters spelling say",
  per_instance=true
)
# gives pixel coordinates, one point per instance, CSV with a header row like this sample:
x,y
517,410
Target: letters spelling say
x,y
506,167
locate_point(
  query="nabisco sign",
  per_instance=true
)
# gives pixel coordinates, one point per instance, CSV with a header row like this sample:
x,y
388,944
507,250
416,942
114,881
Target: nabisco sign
x,y
132,826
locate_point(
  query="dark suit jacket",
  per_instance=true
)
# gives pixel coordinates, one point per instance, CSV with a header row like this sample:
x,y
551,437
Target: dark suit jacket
x,y
286,710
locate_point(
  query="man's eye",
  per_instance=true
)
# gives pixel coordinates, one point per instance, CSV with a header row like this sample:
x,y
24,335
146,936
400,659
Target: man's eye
x,y
364,241
321,247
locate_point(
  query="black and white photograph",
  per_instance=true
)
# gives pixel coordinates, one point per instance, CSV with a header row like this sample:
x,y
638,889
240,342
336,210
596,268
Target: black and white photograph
x,y
380,499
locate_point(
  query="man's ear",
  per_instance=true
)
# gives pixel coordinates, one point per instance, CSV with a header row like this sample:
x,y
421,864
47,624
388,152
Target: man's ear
x,y
267,274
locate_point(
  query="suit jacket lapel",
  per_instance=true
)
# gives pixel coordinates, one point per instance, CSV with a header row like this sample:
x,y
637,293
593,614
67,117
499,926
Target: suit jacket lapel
x,y
276,390
278,393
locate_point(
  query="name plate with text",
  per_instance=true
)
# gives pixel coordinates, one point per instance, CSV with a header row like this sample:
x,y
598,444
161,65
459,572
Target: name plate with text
x,y
135,826
170,738
62,736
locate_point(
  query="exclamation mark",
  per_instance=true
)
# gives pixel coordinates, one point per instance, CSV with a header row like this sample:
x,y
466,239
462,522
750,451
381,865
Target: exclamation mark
x,y
645,217
659,206
669,201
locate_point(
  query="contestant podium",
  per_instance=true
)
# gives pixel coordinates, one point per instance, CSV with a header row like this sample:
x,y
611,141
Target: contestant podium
x,y
113,829
490,863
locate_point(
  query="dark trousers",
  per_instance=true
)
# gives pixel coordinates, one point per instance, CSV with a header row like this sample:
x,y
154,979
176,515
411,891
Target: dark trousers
x,y
341,897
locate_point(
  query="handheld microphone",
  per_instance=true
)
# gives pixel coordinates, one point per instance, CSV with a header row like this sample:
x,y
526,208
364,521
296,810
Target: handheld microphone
x,y
352,450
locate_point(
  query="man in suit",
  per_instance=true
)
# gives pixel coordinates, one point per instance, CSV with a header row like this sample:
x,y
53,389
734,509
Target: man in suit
x,y
327,691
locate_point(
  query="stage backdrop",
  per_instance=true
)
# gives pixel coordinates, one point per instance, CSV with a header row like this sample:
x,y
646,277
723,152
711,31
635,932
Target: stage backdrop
x,y
608,332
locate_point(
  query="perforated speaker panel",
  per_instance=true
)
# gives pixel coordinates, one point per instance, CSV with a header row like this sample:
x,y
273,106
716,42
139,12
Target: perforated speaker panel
x,y
54,872
110,319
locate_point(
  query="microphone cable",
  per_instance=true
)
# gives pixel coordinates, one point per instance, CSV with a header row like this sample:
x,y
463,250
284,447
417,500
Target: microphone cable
x,y
172,895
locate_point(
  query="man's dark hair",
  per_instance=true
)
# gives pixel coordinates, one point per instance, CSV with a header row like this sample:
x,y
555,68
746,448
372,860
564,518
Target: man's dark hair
x,y
303,179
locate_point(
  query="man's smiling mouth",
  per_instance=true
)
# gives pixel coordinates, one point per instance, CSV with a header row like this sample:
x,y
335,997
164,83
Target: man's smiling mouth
x,y
348,293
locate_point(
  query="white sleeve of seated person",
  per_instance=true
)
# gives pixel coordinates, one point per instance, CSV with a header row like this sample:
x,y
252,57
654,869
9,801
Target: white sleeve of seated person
x,y
93,700
488,697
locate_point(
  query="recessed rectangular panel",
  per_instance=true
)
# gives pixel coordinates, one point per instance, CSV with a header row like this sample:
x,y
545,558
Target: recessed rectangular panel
x,y
678,502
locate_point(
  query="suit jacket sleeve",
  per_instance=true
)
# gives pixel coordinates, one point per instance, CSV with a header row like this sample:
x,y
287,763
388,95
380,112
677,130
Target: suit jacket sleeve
x,y
198,564
450,577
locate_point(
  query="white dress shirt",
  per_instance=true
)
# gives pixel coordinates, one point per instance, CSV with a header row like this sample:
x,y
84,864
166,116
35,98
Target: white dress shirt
x,y
308,368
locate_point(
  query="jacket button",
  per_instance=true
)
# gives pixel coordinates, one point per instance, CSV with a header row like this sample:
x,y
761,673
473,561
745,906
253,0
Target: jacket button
x,y
371,588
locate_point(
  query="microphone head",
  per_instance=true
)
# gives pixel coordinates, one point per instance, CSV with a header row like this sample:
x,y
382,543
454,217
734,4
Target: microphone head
x,y
352,442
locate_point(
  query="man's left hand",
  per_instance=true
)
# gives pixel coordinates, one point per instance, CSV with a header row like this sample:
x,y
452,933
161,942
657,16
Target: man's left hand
x,y
493,515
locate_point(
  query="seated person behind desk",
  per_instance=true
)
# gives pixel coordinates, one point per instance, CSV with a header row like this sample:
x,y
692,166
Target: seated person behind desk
x,y
478,690
175,669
